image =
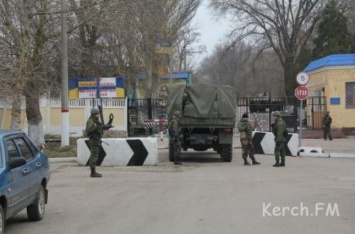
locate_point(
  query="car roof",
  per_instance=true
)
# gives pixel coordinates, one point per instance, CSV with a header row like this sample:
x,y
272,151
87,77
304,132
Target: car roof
x,y
6,132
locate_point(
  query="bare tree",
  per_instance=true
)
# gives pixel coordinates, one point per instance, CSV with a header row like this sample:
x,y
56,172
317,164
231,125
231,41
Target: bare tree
x,y
242,67
184,48
283,26
25,30
351,14
129,41
170,18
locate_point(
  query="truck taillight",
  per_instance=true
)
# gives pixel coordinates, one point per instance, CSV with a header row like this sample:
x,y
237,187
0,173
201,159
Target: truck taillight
x,y
228,129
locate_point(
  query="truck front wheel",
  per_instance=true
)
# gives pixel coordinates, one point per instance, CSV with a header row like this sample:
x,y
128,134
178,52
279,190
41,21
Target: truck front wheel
x,y
226,152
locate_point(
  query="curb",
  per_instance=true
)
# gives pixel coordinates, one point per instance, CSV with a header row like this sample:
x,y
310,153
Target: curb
x,y
61,160
341,155
327,155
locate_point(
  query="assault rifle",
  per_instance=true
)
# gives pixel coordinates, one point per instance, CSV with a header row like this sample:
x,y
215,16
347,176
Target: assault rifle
x,y
109,123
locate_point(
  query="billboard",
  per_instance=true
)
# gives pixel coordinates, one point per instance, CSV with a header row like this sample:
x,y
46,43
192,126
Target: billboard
x,y
102,87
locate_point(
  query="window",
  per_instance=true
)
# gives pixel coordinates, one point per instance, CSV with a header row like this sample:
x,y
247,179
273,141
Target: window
x,y
11,149
350,94
24,148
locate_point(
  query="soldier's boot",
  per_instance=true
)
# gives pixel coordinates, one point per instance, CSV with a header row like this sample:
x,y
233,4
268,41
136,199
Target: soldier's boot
x,y
282,164
177,160
254,161
330,138
277,164
246,163
94,173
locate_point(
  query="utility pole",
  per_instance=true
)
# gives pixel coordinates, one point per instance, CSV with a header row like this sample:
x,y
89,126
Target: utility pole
x,y
64,73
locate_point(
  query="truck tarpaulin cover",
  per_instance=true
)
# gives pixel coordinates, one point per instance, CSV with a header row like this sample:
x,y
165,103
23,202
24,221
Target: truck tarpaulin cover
x,y
203,102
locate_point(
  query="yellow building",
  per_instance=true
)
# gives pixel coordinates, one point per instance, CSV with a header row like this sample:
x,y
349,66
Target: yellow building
x,y
334,78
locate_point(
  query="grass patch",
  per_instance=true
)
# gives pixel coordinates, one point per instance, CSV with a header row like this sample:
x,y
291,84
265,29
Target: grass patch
x,y
54,149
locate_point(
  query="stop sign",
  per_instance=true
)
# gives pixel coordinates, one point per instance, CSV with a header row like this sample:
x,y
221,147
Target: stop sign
x,y
301,92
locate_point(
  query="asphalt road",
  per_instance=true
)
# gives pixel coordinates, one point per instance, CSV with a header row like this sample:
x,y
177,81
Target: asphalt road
x,y
204,195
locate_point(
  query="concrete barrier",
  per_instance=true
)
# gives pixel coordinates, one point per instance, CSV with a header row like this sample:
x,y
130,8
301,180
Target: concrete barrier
x,y
121,152
311,151
264,143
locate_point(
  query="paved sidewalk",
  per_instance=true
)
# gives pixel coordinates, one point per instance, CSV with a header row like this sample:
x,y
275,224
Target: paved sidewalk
x,y
338,145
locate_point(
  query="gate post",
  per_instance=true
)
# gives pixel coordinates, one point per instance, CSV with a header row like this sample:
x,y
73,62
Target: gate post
x,y
295,115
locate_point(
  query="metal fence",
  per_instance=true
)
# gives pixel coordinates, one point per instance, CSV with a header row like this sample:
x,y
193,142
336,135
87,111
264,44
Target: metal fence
x,y
146,116
260,111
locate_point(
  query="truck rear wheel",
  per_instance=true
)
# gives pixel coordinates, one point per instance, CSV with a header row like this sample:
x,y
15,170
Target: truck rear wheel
x,y
171,151
226,152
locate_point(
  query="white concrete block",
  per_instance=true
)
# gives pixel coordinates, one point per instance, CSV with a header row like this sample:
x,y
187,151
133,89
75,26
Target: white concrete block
x,y
119,152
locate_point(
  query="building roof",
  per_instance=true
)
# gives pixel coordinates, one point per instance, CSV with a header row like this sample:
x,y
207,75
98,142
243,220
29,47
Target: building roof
x,y
174,75
335,60
177,75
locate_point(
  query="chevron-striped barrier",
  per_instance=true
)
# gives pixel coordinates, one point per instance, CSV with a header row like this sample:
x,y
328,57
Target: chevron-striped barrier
x,y
149,125
121,152
264,143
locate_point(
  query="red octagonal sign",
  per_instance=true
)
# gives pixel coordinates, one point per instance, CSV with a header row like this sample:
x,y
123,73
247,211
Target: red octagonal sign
x,y
301,92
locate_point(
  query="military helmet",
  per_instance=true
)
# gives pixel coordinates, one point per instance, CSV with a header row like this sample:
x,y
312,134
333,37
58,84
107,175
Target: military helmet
x,y
94,111
276,113
177,113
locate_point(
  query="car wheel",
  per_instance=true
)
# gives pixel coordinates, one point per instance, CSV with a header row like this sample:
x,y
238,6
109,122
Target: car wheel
x,y
2,220
35,211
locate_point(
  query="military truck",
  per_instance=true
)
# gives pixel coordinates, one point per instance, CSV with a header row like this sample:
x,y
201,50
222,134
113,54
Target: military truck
x,y
208,114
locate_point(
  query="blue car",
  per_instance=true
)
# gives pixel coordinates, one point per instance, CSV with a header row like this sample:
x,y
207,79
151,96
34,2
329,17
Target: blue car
x,y
24,175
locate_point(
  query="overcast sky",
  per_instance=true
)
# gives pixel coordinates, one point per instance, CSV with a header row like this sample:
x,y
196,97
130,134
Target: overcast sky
x,y
212,30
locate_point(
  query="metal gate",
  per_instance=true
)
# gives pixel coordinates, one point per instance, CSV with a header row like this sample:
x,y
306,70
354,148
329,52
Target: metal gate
x,y
146,116
260,110
149,116
316,107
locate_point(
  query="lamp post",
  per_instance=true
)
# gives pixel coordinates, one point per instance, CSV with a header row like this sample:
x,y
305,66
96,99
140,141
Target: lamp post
x,y
64,75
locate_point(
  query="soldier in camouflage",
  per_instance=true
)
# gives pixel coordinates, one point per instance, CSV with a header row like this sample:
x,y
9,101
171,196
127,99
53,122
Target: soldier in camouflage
x,y
326,122
94,130
174,130
245,129
278,129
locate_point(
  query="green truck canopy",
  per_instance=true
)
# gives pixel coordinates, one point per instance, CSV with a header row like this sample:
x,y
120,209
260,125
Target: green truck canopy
x,y
202,104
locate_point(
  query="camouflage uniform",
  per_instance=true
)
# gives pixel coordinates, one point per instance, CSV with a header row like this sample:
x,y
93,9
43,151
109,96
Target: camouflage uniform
x,y
246,130
278,129
174,130
94,130
326,122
